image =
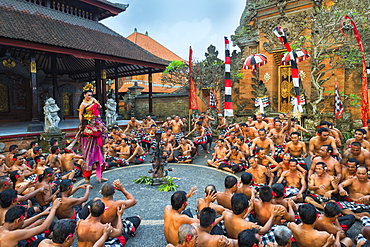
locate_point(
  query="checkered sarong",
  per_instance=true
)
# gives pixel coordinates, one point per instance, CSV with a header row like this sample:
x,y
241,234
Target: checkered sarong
x,y
365,221
202,140
178,136
32,178
279,150
299,160
290,191
208,131
354,206
318,198
256,186
269,236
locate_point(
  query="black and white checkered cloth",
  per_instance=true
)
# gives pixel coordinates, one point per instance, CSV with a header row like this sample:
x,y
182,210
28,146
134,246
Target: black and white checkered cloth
x,y
365,221
269,236
338,104
290,191
354,206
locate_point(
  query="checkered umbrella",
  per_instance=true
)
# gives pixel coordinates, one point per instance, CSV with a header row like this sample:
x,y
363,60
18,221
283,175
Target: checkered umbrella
x,y
296,55
254,61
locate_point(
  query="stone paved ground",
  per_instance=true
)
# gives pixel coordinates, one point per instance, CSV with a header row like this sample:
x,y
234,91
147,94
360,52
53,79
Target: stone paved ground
x,y
151,201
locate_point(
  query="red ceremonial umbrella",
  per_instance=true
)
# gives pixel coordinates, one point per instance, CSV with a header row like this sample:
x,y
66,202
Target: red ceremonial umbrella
x,y
254,61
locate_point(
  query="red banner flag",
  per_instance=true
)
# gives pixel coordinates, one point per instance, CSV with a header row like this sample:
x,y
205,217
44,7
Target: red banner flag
x,y
193,102
364,91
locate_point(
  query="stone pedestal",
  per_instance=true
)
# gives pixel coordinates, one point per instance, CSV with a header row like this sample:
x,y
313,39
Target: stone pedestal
x,y
45,138
35,126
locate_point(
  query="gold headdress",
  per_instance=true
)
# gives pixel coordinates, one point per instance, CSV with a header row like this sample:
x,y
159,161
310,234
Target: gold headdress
x,y
88,86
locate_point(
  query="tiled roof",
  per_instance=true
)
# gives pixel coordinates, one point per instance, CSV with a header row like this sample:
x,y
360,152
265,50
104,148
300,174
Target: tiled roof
x,y
34,23
153,46
117,5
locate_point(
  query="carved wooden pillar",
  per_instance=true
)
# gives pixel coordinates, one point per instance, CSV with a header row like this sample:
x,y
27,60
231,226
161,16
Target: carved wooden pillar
x,y
116,87
35,124
97,80
54,73
150,81
103,86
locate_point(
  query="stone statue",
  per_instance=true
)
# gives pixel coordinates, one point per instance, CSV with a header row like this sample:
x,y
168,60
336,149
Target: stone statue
x,y
110,113
51,116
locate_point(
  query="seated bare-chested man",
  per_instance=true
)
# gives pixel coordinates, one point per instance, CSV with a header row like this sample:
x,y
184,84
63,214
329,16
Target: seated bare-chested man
x,y
334,168
89,231
20,166
333,224
265,160
117,134
233,162
11,233
40,164
169,136
263,208
4,169
174,216
185,149
261,174
322,138
349,169
210,196
297,149
359,137
66,210
322,186
222,123
278,198
132,126
137,153
263,142
249,133
335,133
358,202
45,182
245,187
305,234
235,221
169,150
356,151
284,166
68,160
219,154
207,217
260,123
53,158
13,150
224,198
295,182
242,146
231,139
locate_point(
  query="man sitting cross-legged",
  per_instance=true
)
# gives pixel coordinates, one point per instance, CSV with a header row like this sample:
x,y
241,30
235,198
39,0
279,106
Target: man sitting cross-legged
x,y
305,234
358,198
235,222
322,187
332,223
173,217
295,182
91,230
11,232
207,222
